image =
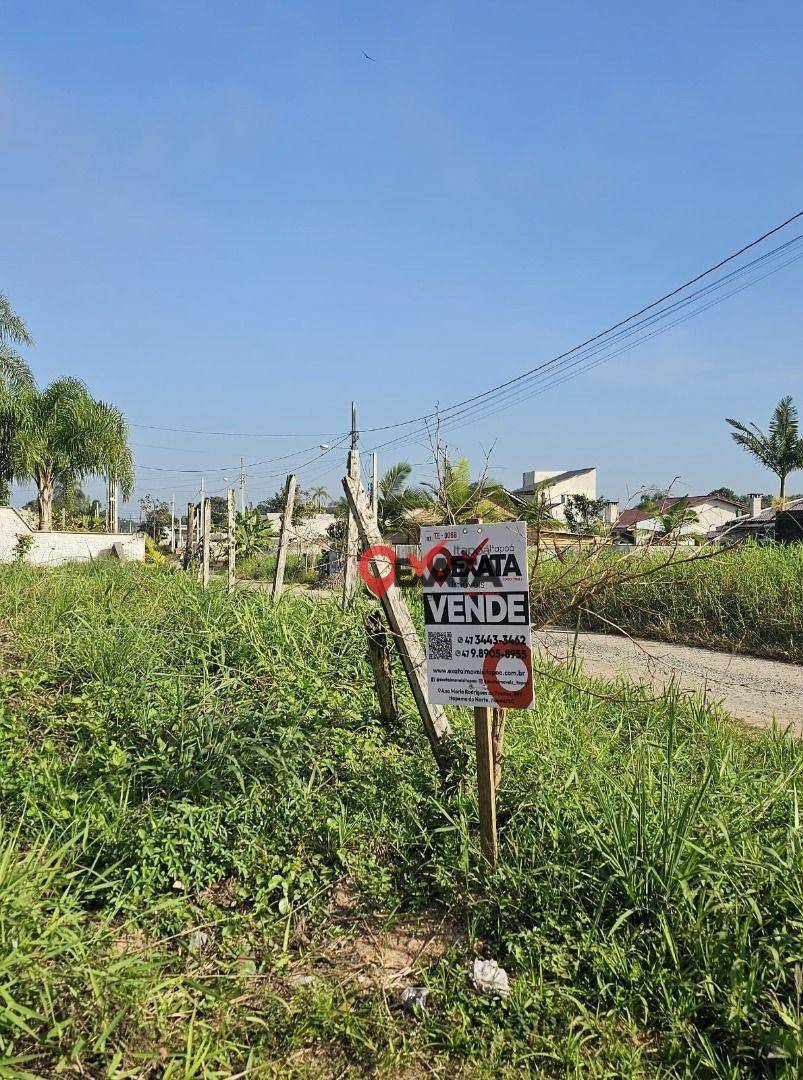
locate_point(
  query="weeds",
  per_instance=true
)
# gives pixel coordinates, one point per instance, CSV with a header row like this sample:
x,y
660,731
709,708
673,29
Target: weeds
x,y
187,777
747,599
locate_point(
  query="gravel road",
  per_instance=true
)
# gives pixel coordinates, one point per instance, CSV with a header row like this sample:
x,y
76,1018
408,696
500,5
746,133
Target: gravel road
x,y
752,690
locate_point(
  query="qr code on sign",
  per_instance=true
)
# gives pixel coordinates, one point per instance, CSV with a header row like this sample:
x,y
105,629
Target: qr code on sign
x,y
440,645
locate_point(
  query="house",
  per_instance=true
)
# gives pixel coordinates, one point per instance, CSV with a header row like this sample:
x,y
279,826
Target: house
x,y
713,512
783,526
557,487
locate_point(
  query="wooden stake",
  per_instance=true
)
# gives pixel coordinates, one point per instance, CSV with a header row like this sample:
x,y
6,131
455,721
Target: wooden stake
x,y
405,635
189,539
486,787
232,545
374,487
350,558
207,526
497,743
284,536
112,522
379,654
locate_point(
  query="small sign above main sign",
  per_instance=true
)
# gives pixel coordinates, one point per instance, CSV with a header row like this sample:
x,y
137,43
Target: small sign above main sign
x,y
477,615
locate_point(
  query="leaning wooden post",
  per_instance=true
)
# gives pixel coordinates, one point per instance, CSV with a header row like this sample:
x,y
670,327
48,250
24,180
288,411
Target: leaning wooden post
x,y
350,553
189,538
284,536
404,632
232,545
379,655
207,525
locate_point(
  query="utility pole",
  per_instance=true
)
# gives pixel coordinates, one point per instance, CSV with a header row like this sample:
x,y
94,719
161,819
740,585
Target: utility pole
x,y
173,524
350,554
242,486
374,487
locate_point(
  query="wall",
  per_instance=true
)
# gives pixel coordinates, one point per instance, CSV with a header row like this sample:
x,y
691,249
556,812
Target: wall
x,y
55,548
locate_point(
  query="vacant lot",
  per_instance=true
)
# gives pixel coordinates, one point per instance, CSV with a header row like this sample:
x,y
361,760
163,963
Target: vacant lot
x,y
215,862
743,599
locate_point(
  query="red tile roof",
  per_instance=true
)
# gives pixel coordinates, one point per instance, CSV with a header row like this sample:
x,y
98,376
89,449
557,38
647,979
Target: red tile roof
x,y
628,518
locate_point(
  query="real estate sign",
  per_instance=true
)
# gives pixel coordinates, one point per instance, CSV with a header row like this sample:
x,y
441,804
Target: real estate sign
x,y
477,615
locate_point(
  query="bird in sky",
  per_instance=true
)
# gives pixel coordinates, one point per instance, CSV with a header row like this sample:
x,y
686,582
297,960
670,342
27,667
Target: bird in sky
x,y
367,57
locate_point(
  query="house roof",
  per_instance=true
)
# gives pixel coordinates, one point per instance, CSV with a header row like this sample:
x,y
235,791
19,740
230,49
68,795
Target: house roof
x,y
628,518
770,512
558,478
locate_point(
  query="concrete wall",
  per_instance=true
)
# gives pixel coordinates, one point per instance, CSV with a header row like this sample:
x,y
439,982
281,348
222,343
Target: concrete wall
x,y
55,548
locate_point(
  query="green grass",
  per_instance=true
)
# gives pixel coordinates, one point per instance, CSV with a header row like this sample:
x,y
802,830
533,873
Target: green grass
x,y
174,761
745,599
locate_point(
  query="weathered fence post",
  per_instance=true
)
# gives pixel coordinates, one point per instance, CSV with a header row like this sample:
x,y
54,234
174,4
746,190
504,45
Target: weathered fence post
x,y
350,553
379,655
404,632
486,783
284,536
206,514
189,539
232,543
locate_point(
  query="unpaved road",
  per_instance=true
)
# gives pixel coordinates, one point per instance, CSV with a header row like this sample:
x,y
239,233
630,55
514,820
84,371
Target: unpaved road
x,y
752,690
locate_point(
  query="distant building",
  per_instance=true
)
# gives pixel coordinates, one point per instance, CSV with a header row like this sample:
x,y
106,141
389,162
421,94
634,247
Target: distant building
x,y
713,512
783,526
557,487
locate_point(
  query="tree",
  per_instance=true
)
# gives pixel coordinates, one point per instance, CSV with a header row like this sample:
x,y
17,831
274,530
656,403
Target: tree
x,y
458,499
156,515
303,505
62,434
219,509
726,493
395,499
780,451
320,496
252,533
14,375
584,515
677,518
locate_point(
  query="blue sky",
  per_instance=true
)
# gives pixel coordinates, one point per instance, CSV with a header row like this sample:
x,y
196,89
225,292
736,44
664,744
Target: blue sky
x,y
223,217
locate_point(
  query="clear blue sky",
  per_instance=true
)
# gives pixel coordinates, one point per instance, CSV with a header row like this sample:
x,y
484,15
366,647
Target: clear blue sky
x,y
221,216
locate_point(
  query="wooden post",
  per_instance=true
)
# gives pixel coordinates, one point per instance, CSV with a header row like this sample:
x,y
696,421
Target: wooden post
x,y
350,553
404,632
486,786
374,487
284,536
112,521
232,542
497,743
206,516
189,538
173,524
379,655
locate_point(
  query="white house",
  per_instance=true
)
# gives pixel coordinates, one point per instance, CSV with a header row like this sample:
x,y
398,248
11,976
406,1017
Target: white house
x,y
558,486
713,511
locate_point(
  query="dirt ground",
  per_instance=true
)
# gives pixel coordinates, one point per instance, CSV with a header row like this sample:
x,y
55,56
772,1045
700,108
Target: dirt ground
x,y
752,690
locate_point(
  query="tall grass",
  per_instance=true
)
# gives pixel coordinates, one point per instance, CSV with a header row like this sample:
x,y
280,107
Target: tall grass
x,y
176,762
745,599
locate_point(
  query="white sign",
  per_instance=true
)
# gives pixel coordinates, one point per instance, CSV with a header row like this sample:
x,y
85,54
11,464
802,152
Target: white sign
x,y
477,615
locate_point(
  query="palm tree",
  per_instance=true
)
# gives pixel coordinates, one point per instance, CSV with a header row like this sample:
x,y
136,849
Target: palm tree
x,y
64,435
395,499
674,518
319,495
458,499
14,375
781,451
